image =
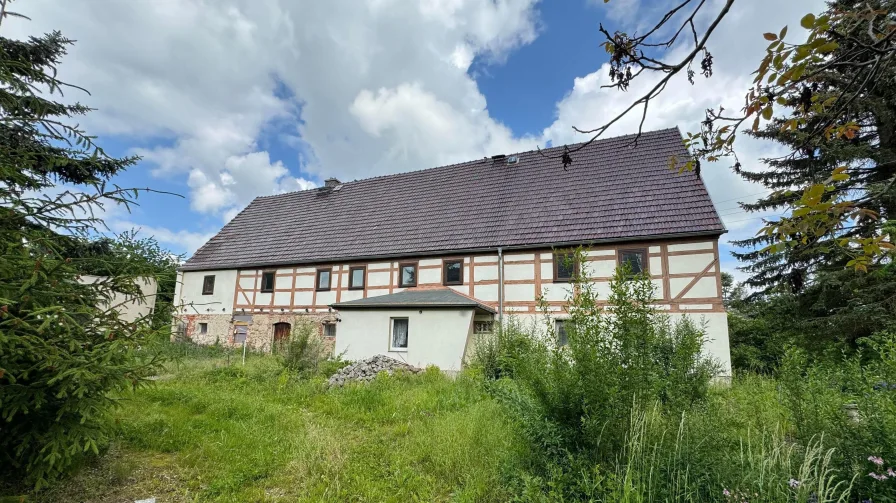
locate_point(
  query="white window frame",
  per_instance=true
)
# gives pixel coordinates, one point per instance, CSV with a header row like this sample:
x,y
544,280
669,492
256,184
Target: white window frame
x,y
392,347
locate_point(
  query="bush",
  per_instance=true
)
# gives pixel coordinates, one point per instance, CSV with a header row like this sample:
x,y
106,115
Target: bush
x,y
852,404
577,399
304,351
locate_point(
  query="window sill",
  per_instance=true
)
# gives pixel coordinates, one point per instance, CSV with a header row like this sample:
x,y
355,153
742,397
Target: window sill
x,y
356,288
453,284
567,280
398,350
265,291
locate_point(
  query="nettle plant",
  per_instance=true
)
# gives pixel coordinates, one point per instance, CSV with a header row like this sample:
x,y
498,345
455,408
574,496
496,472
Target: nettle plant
x,y
620,353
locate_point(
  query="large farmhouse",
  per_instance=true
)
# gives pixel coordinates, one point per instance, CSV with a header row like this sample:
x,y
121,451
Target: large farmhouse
x,y
413,265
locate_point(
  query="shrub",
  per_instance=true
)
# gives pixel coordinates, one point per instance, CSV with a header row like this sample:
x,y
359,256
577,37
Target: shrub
x,y
577,398
821,394
304,350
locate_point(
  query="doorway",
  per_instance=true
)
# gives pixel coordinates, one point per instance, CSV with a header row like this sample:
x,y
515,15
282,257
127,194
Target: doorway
x,y
281,333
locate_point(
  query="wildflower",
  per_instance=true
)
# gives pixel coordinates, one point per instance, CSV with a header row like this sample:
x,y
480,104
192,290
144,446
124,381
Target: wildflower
x,y
876,460
877,476
794,483
726,492
890,472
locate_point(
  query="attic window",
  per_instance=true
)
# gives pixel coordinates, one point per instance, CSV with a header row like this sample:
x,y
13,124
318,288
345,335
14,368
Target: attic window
x,y
208,285
267,281
356,278
323,279
566,265
513,159
454,272
635,259
407,275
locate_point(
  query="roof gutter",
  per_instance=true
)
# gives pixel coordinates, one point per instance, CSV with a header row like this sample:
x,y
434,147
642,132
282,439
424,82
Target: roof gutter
x,y
558,244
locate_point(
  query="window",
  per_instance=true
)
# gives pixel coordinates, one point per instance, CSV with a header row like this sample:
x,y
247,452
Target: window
x,y
635,259
399,341
267,281
356,278
330,330
483,327
566,265
407,275
208,285
323,279
203,327
560,328
453,272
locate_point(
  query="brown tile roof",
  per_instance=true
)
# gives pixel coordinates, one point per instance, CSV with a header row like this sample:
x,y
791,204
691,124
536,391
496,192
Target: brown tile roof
x,y
613,191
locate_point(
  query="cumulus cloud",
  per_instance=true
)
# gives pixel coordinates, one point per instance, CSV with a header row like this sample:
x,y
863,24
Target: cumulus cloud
x,y
737,46
356,88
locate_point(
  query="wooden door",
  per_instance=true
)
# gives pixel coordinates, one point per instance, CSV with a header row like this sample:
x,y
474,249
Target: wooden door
x,y
281,332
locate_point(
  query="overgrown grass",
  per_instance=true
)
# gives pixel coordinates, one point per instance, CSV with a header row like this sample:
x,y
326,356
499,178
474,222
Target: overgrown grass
x,y
211,432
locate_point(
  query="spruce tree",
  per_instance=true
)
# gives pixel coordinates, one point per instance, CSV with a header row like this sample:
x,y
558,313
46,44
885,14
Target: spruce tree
x,y
869,155
64,353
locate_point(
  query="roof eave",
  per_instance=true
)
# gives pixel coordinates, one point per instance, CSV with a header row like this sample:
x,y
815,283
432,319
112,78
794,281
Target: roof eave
x,y
413,305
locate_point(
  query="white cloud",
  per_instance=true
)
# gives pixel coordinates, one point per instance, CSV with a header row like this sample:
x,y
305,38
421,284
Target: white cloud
x,y
737,47
357,88
210,79
178,241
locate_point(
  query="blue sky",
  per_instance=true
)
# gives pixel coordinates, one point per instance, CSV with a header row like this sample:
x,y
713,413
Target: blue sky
x,y
232,99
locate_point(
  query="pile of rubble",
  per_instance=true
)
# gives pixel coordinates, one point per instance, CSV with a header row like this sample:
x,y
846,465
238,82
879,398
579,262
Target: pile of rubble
x,y
367,369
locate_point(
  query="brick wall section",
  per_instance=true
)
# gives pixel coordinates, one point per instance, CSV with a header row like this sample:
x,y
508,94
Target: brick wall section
x,y
260,335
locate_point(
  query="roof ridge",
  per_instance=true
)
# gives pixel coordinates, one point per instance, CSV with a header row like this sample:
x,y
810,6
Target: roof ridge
x,y
446,166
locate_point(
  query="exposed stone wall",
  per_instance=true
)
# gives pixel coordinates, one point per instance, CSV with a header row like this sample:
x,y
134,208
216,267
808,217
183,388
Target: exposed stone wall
x,y
260,336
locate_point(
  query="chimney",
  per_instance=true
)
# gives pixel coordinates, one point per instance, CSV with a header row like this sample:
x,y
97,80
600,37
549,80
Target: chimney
x,y
332,183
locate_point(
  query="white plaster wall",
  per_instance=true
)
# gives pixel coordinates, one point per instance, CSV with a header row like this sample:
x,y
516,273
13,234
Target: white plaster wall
x,y
303,298
262,299
716,344
245,284
435,336
601,268
519,293
220,302
485,272
281,298
547,271
305,281
348,295
555,291
486,292
704,245
600,253
128,308
326,298
430,261
704,288
514,272
509,257
656,266
690,264
426,276
380,278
